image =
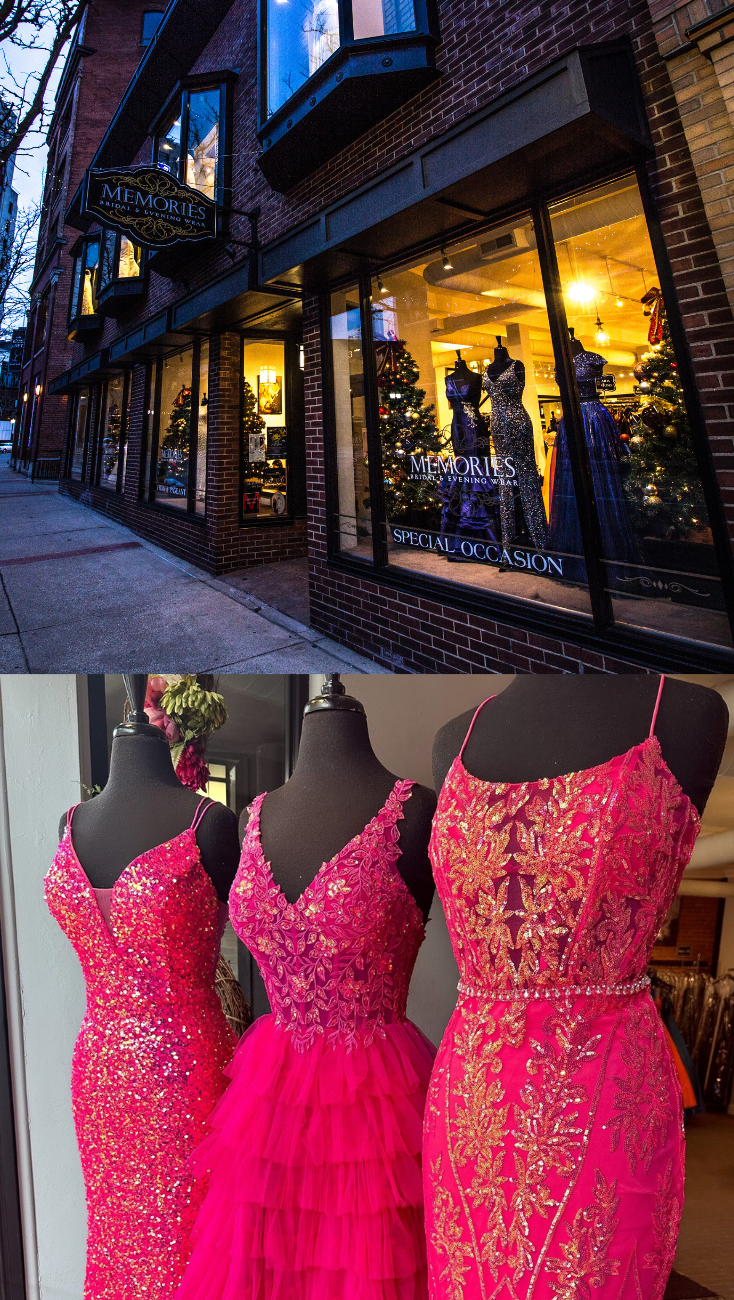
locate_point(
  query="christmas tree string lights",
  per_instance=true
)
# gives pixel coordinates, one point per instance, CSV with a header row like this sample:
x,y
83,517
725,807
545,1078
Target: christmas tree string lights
x,y
407,428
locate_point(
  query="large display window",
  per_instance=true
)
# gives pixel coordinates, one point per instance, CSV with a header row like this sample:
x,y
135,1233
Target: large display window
x,y
176,426
79,434
265,436
499,382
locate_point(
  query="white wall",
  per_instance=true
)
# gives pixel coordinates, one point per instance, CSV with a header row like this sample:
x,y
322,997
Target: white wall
x,y
40,749
404,713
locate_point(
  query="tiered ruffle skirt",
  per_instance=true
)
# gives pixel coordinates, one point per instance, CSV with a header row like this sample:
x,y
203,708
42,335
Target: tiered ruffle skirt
x,y
313,1165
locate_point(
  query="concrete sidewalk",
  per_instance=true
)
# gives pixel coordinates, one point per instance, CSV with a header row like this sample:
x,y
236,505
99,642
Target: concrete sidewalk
x,y
79,593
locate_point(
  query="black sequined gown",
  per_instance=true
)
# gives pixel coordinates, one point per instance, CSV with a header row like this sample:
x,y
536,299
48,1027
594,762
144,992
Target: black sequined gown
x,y
512,435
605,454
467,497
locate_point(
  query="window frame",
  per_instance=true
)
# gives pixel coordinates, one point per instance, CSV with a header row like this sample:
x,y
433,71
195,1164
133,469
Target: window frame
x,y
143,17
426,24
597,629
176,105
116,278
73,408
147,493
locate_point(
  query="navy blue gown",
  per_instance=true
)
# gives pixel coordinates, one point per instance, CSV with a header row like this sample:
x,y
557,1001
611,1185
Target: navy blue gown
x,y
602,440
467,499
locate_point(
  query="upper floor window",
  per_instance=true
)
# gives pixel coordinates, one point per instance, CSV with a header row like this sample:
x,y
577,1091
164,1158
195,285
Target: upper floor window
x,y
189,145
151,23
120,260
303,34
84,280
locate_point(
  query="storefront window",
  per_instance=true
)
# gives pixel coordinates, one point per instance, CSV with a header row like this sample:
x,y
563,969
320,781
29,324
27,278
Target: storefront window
x,y
79,433
302,34
660,565
174,430
354,522
114,436
465,375
264,430
202,428
382,17
120,260
190,146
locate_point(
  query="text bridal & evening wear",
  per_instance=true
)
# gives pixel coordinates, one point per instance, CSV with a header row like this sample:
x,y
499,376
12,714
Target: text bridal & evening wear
x,y
148,1063
314,1161
553,1152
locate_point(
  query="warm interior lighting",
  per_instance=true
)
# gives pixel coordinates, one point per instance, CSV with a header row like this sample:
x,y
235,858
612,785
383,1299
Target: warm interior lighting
x,y
25,397
446,261
601,337
380,287
267,375
580,291
38,390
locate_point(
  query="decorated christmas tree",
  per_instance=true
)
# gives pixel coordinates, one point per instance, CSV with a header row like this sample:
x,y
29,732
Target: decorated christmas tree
x,y
175,442
663,485
252,423
407,429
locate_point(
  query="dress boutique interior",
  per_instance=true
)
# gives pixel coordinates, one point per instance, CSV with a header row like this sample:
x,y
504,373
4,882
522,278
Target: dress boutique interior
x,y
64,757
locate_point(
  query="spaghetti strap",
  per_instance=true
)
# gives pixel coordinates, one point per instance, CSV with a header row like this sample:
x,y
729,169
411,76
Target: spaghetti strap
x,y
204,805
70,816
657,705
471,724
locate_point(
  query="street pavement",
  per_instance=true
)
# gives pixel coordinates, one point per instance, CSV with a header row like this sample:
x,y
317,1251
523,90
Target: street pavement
x,y
80,593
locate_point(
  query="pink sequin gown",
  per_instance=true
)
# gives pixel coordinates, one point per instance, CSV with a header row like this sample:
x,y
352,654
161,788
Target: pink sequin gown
x,y
148,1063
314,1162
553,1135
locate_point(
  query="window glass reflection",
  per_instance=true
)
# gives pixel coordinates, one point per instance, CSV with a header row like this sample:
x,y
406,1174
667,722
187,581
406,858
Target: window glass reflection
x,y
79,434
107,263
202,428
354,524
468,406
174,436
203,141
660,566
382,17
112,433
169,148
302,34
264,430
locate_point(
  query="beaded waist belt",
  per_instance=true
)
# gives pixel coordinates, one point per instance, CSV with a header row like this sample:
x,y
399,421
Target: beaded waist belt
x,y
556,991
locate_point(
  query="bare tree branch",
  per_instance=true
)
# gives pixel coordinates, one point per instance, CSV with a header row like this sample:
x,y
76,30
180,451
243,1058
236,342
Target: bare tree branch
x,y
20,21
15,262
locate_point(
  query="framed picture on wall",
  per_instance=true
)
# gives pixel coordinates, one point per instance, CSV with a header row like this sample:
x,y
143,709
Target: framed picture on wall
x,y
269,392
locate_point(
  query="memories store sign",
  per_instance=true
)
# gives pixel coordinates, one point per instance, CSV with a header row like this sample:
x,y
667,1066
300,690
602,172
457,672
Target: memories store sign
x,y
148,205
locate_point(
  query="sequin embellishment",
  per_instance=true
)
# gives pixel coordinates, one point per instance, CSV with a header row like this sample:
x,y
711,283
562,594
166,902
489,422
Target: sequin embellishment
x,y
553,1136
148,1062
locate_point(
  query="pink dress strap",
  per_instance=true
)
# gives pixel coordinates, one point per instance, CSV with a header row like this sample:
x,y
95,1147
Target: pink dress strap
x,y
204,805
70,816
471,724
657,704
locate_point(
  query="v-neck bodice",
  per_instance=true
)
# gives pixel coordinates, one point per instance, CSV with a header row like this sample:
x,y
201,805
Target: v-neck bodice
x,y
338,961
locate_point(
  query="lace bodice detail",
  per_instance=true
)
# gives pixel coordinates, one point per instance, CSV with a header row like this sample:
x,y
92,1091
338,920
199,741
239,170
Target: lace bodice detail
x,y
565,880
588,367
336,963
466,389
507,389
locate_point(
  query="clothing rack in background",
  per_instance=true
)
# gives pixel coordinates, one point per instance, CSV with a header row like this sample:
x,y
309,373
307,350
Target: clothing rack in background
x,y
703,1009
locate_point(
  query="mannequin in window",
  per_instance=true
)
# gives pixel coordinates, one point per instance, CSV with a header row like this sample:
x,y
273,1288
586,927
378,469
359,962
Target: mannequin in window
x,y
606,456
514,452
466,496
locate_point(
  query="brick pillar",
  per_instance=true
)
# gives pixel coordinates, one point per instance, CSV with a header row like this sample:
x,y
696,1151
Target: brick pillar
x,y
136,440
696,45
223,454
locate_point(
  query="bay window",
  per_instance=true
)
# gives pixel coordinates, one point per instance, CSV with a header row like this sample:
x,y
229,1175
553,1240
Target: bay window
x,y
189,136
121,279
83,314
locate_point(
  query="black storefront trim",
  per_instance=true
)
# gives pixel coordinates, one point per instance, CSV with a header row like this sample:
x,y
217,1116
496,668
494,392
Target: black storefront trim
x,y
655,650
12,1269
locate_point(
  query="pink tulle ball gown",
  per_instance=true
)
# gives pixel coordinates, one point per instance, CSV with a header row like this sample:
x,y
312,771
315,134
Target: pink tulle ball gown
x,y
314,1159
148,1065
554,1126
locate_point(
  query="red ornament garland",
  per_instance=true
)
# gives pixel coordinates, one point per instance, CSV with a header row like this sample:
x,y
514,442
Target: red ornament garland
x,y
654,300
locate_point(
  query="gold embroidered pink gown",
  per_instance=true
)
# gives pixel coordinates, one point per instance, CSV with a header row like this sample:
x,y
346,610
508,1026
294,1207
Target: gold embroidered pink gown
x,y
553,1153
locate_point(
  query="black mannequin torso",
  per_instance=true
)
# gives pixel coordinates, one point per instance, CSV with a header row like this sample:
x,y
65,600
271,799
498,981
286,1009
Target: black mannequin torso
x,y
336,789
502,360
143,805
539,728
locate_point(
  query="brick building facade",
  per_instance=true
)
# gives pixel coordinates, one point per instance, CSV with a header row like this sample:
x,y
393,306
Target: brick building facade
x,y
104,52
527,120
